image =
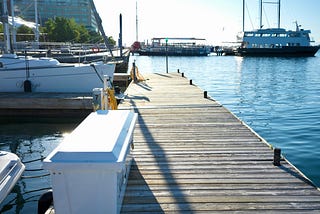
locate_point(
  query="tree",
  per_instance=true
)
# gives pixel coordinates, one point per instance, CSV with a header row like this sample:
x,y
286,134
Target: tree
x,y
24,33
62,29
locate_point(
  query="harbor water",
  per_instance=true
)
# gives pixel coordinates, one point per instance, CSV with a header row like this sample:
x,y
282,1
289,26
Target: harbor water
x,y
279,98
32,140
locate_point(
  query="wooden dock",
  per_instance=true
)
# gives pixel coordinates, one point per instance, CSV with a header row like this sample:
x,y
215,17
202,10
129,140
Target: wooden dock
x,y
191,155
36,104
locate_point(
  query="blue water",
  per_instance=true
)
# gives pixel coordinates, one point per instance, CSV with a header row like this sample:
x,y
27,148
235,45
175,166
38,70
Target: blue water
x,y
31,140
277,97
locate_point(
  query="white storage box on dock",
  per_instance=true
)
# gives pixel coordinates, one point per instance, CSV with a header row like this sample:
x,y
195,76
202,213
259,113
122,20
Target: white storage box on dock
x,y
90,168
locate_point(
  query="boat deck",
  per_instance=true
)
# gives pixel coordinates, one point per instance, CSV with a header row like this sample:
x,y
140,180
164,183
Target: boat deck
x,y
191,155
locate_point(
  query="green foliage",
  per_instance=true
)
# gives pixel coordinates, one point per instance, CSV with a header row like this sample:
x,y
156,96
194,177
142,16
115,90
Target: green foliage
x,y
61,29
24,33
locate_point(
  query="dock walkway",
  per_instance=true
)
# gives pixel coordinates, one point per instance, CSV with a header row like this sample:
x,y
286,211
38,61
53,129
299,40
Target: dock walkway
x,y
191,155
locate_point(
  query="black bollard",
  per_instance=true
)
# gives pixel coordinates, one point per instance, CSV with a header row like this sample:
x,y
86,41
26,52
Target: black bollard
x,y
135,79
178,70
276,156
190,82
182,74
205,94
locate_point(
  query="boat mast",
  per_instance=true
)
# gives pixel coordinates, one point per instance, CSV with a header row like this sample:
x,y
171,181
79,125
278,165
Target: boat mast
x,y
100,27
279,11
279,7
137,39
6,32
243,14
260,15
14,36
36,21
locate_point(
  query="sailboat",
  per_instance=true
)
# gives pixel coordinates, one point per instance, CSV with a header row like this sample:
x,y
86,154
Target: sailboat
x,y
275,41
29,74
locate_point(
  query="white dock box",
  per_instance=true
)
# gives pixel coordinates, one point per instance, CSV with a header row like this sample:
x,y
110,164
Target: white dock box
x,y
90,168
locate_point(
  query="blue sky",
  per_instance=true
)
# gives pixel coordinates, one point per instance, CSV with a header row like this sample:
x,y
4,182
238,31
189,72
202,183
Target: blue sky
x,y
215,20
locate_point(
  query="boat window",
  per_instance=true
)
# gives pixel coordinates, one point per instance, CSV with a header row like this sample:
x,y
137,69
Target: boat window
x,y
248,34
294,35
274,35
265,35
306,35
282,35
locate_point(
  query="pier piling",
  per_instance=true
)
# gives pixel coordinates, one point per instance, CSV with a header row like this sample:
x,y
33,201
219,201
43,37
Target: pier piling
x,y
276,157
205,94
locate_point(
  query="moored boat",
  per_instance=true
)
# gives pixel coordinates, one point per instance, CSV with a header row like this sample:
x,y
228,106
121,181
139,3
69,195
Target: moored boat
x,y
28,74
275,41
11,169
176,47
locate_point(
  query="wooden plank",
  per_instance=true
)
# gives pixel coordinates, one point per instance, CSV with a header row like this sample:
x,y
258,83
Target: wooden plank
x,y
192,155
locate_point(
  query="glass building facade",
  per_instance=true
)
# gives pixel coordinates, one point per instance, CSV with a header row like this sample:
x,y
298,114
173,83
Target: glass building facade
x,y
79,10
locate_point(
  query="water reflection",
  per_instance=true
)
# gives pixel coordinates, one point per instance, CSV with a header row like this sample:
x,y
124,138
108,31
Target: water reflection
x,y
32,141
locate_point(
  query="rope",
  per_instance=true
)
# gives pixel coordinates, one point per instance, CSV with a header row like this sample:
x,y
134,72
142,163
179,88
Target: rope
x,y
112,101
137,75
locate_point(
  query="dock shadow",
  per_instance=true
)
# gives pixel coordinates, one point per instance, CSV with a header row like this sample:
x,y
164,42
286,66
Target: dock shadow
x,y
297,175
137,98
163,75
144,86
139,197
146,201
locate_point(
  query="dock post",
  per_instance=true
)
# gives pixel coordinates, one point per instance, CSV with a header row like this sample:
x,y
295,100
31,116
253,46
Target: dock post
x,y
205,94
276,156
178,71
167,55
134,72
182,74
190,82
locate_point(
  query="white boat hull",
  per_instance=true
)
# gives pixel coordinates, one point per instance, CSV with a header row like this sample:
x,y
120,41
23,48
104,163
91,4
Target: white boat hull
x,y
72,78
11,170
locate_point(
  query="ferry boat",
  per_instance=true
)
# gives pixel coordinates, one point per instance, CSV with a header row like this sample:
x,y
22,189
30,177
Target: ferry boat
x,y
275,41
174,47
